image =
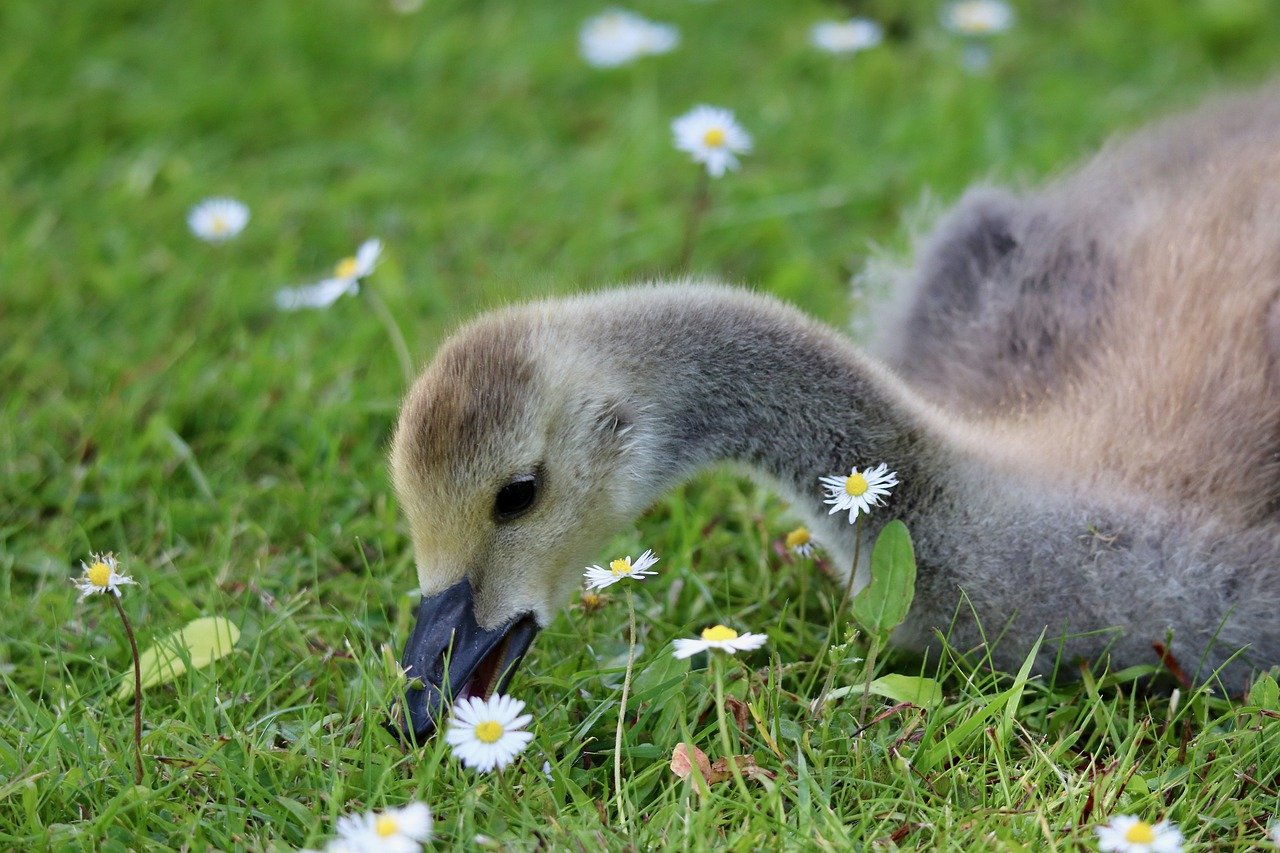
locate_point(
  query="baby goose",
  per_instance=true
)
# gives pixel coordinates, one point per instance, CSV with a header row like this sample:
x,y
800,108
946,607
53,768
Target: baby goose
x,y
1079,396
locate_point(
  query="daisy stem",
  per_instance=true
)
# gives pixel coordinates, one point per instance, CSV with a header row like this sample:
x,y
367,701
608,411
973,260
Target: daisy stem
x,y
844,600
872,650
393,333
622,712
697,209
725,743
853,569
137,691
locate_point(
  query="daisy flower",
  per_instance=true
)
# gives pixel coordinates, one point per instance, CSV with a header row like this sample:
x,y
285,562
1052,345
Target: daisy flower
x,y
848,36
859,491
1130,834
218,219
712,137
976,18
345,280
488,734
719,637
100,575
599,578
402,830
800,541
617,37
1275,833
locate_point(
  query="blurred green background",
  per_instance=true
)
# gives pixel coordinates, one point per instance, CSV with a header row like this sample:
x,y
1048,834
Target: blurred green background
x,y
156,404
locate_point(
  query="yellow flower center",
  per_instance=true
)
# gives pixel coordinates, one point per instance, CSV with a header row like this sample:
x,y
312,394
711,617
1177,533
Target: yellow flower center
x,y
99,574
386,826
719,633
219,225
1140,833
713,138
620,566
489,731
856,485
798,537
346,268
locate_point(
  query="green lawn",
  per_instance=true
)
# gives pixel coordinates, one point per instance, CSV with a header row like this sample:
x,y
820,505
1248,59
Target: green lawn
x,y
155,404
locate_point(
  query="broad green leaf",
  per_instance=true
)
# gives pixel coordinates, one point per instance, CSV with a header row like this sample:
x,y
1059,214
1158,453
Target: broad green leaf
x,y
1138,785
201,642
900,688
1265,693
882,604
908,688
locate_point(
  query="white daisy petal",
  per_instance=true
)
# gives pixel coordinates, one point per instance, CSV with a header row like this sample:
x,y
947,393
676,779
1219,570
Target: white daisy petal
x,y
1131,834
859,491
712,137
402,830
977,18
599,577
101,575
344,281
322,294
848,36
488,734
718,637
617,37
800,541
367,257
688,648
216,220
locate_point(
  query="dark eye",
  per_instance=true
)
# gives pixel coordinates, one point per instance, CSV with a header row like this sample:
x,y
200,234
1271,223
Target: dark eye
x,y
515,498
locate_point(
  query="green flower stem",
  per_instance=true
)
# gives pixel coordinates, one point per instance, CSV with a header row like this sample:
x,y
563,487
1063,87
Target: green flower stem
x,y
393,333
697,209
873,648
844,602
853,570
137,690
725,743
622,713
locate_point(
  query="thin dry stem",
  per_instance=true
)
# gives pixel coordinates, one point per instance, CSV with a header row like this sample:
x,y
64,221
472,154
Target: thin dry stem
x,y
137,690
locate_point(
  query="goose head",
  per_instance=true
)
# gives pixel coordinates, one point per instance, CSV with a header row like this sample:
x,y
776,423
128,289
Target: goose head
x,y
516,456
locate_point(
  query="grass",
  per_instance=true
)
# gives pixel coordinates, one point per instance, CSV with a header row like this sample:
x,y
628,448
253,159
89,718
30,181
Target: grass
x,y
157,405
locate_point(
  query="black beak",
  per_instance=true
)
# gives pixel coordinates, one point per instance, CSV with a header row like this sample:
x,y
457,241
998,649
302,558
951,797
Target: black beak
x,y
452,657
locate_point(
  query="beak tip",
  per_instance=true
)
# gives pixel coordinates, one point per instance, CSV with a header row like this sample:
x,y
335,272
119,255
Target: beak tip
x,y
445,629
411,719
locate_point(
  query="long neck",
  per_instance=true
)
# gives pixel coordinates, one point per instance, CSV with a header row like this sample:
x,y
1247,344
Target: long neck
x,y
745,380
725,377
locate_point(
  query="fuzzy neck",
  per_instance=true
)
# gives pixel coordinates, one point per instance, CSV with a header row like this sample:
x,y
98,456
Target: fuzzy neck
x,y
746,380
721,376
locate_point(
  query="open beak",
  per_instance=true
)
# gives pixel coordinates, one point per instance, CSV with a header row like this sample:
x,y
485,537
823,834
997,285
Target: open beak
x,y
452,658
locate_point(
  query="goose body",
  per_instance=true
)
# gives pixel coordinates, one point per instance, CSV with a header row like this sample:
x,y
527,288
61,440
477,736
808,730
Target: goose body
x,y
1078,389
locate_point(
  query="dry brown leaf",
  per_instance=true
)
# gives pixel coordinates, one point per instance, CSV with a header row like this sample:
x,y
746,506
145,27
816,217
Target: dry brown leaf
x,y
682,766
738,710
721,770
